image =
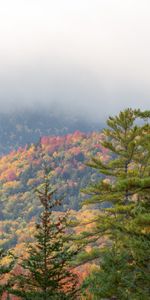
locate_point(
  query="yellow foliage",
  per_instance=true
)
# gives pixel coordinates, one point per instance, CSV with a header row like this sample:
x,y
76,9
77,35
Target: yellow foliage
x,y
11,184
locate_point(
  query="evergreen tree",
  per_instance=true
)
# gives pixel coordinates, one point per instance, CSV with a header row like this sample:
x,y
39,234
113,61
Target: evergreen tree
x,y
111,279
47,270
123,193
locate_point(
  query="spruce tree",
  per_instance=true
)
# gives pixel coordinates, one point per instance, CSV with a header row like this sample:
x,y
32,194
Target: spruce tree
x,y
47,270
123,193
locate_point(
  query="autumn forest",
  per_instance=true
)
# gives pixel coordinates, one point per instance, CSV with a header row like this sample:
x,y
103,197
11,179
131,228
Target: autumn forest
x,y
75,214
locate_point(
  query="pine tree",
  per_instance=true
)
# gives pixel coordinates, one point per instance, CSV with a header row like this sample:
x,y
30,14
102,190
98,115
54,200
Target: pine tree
x,y
123,193
47,270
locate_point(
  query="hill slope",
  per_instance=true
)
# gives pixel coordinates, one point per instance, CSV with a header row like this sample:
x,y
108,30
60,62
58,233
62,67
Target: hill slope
x,y
21,172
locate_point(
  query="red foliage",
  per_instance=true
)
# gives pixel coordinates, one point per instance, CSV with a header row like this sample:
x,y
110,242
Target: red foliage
x,y
11,175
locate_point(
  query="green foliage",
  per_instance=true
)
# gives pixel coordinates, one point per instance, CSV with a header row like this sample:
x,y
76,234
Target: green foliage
x,y
46,272
124,197
117,278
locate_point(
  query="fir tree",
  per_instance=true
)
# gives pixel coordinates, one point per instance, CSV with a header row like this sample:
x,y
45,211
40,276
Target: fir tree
x,y
124,192
47,270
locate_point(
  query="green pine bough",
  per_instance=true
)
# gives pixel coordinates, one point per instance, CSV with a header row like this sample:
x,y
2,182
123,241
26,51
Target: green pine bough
x,y
123,271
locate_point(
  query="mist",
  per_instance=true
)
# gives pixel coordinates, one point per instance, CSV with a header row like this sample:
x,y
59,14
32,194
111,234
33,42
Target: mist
x,y
85,57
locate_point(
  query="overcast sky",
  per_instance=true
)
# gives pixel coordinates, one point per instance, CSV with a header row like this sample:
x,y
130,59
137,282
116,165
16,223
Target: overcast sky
x,y
90,55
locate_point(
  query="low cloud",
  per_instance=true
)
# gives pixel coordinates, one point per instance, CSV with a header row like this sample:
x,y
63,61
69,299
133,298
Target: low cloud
x,y
88,58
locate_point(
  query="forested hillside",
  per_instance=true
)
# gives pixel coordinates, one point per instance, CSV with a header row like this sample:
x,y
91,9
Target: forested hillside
x,y
22,171
18,128
51,250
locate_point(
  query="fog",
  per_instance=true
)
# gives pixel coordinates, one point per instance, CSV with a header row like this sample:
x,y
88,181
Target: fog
x,y
86,56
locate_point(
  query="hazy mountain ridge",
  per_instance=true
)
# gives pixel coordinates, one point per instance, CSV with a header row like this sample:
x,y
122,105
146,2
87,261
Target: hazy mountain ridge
x,y
23,127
